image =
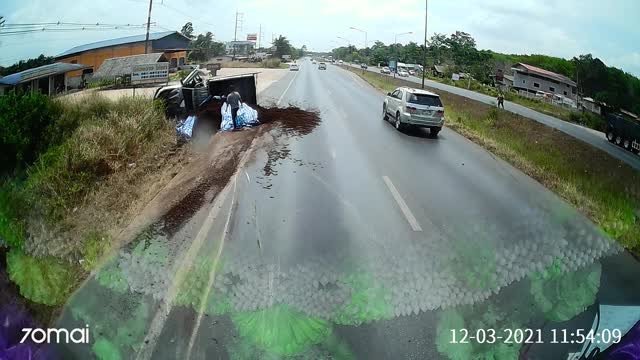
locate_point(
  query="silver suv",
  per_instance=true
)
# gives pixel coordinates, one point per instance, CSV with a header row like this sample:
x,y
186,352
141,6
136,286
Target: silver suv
x,y
414,107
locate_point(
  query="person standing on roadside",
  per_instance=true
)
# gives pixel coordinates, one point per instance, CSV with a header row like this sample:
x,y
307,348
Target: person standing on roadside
x,y
501,100
234,100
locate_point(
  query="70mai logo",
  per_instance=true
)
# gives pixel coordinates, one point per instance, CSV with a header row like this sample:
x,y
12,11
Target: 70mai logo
x,y
56,336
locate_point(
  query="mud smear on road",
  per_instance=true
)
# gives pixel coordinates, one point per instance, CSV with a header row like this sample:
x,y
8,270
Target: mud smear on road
x,y
205,177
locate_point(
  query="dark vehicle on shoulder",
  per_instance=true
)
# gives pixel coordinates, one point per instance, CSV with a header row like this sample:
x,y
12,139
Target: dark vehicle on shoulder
x,y
624,131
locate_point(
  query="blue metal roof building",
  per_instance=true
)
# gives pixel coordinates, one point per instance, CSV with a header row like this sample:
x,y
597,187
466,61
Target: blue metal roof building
x,y
48,79
120,41
171,43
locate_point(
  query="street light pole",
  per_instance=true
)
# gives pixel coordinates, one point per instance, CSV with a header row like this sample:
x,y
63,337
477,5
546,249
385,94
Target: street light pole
x,y
395,41
365,42
424,55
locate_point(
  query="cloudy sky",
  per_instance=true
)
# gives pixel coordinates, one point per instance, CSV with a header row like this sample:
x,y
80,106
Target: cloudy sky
x,y
565,28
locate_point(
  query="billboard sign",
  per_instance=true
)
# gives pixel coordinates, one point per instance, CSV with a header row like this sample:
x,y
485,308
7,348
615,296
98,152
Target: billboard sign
x,y
393,65
252,37
150,73
455,77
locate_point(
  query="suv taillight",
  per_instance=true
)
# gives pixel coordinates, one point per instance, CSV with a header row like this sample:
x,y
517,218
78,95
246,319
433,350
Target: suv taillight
x,y
440,113
411,110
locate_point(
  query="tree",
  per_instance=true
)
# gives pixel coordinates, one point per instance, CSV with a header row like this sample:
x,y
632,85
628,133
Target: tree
x,y
411,53
27,64
463,48
187,30
283,47
204,48
303,50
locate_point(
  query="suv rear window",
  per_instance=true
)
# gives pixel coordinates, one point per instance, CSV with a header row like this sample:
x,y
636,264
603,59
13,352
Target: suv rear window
x,y
428,100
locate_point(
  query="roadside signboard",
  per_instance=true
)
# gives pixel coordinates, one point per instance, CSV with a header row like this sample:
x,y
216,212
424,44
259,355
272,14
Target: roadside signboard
x,y
393,64
286,57
252,37
150,73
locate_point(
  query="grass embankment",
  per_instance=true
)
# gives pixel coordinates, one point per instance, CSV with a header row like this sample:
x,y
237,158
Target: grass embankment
x,y
101,160
601,187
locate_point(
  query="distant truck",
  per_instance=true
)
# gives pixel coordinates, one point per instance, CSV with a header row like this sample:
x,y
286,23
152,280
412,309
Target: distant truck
x,y
624,131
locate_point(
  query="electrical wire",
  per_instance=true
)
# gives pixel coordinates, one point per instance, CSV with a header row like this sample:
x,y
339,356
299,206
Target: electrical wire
x,y
45,29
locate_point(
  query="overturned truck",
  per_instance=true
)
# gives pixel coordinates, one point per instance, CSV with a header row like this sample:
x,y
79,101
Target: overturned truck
x,y
195,92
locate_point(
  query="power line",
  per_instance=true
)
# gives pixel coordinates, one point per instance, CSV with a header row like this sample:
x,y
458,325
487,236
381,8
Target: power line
x,y
29,31
62,24
188,16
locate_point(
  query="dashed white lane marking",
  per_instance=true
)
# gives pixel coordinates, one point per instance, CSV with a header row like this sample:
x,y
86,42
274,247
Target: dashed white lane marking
x,y
287,89
403,205
248,178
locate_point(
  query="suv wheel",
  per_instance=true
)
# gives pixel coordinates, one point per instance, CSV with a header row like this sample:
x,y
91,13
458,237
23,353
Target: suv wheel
x,y
385,116
398,123
434,131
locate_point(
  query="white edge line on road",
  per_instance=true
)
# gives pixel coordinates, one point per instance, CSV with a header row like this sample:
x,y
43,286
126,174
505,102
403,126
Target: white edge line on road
x,y
287,89
403,205
248,178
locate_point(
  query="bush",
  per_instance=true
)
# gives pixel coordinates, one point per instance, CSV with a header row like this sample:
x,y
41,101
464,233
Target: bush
x,y
271,63
24,118
44,281
111,135
589,120
12,228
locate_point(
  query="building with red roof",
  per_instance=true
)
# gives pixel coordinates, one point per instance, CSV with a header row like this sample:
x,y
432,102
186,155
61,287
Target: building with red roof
x,y
533,79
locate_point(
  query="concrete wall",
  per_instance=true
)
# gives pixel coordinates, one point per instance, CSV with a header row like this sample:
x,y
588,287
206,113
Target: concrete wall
x,y
527,82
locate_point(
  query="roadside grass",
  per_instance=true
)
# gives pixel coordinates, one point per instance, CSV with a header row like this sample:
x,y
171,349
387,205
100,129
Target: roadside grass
x,y
58,217
603,188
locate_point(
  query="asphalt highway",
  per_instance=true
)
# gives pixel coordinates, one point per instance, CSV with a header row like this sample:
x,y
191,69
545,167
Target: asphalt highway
x,y
590,136
359,242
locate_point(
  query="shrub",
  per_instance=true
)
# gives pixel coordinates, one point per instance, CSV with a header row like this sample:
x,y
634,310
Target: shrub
x,y
12,231
589,120
44,281
23,120
271,63
111,135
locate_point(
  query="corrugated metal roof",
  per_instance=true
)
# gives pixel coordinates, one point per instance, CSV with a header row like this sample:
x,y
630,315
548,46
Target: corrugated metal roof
x,y
118,41
121,66
440,68
546,73
39,72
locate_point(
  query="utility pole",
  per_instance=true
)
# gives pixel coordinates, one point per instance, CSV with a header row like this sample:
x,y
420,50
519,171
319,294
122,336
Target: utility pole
x,y
259,36
235,32
146,40
424,55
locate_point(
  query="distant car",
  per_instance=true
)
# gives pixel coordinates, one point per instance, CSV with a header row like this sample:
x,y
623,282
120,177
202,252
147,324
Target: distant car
x,y
385,70
403,73
313,61
414,107
340,62
412,72
294,67
364,66
322,66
